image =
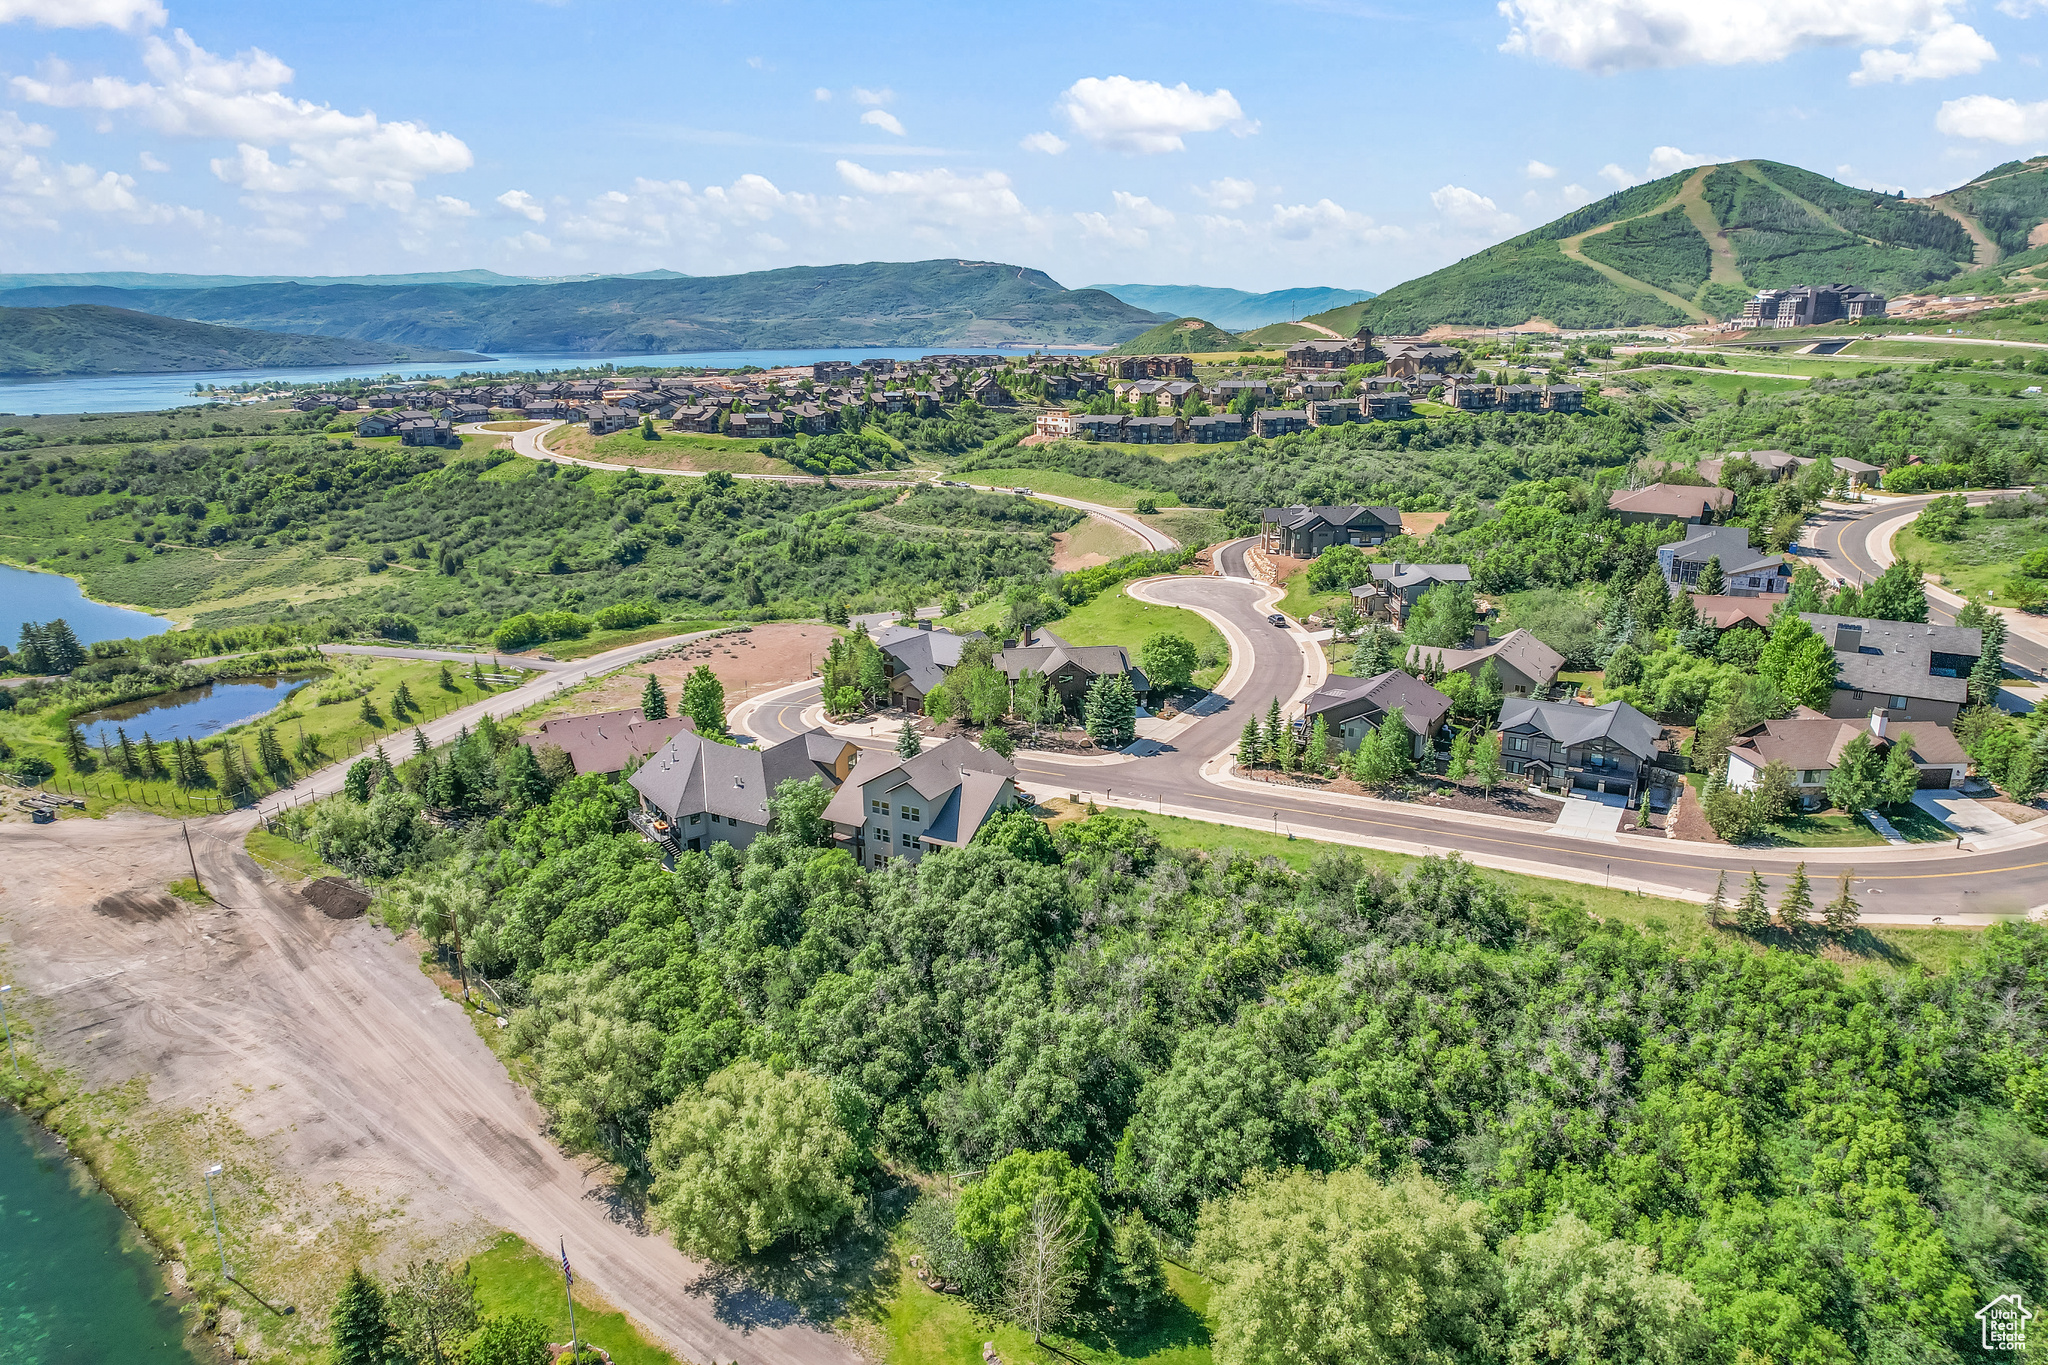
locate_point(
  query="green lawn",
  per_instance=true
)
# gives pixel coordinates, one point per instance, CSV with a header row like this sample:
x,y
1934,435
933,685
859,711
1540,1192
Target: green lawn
x,y
1071,485
1919,348
928,1328
1302,601
1680,382
513,1277
598,641
1916,826
1191,526
1982,561
1823,831
281,856
1113,617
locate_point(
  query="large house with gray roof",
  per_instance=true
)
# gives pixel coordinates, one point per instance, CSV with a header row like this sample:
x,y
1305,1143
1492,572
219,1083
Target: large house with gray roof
x,y
905,807
1810,746
1562,746
1071,669
1526,665
1916,672
695,793
1305,532
1394,588
918,658
1744,572
1353,708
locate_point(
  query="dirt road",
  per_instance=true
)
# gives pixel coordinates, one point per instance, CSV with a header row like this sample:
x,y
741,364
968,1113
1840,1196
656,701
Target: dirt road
x,y
370,1098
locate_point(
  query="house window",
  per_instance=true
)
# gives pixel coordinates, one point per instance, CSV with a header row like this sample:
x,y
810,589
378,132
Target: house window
x,y
881,807
714,818
906,812
1810,777
1596,760
1898,703
698,818
1514,765
909,839
1518,744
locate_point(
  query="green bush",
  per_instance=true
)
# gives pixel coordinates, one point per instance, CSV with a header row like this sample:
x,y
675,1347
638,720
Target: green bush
x,y
626,615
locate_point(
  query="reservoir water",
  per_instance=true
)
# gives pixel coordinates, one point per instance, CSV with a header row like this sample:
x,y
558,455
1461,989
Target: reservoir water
x,y
78,1285
29,596
27,395
195,712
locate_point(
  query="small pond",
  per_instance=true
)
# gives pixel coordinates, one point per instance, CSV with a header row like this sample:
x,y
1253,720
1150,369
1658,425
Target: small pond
x,y
194,712
29,596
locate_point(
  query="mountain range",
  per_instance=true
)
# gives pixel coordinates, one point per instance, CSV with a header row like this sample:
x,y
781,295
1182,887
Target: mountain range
x,y
143,279
1693,246
88,339
882,303
1233,309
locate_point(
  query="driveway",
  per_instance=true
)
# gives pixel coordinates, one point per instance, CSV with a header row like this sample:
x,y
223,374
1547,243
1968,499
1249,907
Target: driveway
x,y
1592,814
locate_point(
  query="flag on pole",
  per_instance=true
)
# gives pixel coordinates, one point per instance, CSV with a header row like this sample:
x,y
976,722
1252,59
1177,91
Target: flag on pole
x,y
567,1275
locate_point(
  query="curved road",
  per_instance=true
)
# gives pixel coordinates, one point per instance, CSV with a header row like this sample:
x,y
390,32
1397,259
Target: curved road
x,y
1898,886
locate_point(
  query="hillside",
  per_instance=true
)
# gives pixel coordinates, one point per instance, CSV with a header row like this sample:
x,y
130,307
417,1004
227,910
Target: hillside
x,y
90,339
919,303
1232,309
142,279
1182,336
1692,246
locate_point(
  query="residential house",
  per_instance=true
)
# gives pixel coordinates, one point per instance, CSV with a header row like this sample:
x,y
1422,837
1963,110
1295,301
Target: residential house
x,y
1562,747
1388,407
1305,532
1154,430
1394,588
987,392
1321,386
466,412
1071,669
1855,473
1415,358
1526,665
1320,353
695,793
827,371
1564,398
1224,392
606,418
1334,412
1811,746
918,658
1216,429
906,807
377,424
1352,708
1100,426
427,431
1735,613
1148,367
1470,393
701,418
812,419
1918,673
606,741
1744,572
1670,502
544,409
1053,424
1273,423
756,424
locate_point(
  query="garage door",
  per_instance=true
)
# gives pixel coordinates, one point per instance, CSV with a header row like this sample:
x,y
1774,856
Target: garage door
x,y
1932,778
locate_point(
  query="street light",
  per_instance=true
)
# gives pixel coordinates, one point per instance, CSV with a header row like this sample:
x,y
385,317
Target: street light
x,y
218,1245
9,1031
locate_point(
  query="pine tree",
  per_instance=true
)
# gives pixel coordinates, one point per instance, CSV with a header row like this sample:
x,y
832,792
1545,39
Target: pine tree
x,y
447,679
362,1333
653,701
419,742
1753,911
368,711
476,672
401,700
62,647
270,754
1317,756
1797,902
152,761
1272,731
1712,580
1841,913
1989,673
1250,745
1288,751
1717,904
128,763
1110,712
908,744
75,747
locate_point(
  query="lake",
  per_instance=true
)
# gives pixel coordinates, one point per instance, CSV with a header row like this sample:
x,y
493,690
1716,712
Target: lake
x,y
79,1283
29,596
194,712
150,392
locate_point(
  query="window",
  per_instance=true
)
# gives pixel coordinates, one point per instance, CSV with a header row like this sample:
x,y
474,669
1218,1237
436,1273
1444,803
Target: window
x,y
1518,744
714,818
906,812
1809,777
909,839
881,807
1596,759
697,819
1898,703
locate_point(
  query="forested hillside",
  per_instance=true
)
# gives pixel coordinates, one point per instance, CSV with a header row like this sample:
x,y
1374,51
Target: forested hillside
x,y
1182,336
1233,309
88,339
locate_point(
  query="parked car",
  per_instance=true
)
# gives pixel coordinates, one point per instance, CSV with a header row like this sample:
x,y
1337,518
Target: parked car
x,y
1275,619
1021,492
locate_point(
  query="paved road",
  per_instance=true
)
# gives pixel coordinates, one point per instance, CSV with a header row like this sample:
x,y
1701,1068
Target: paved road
x,y
1900,886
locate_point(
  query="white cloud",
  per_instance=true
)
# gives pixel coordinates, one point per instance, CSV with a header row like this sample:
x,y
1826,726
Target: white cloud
x,y
1326,223
1574,195
1991,119
524,205
1848,175
864,96
1228,193
883,119
1949,50
37,193
129,15
1536,170
941,197
355,158
1052,144
1607,36
1141,210
1663,161
151,163
2021,9
1471,210
821,94
1145,117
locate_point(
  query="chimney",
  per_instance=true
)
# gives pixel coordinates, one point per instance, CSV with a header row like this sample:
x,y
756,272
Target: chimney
x,y
1878,719
1848,637
1397,568
924,623
1480,638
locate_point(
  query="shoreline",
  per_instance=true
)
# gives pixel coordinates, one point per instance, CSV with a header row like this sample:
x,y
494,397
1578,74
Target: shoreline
x,y
175,624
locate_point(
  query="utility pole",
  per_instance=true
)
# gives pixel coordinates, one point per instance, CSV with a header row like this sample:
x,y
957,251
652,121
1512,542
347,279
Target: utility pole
x,y
9,1030
218,1245
194,860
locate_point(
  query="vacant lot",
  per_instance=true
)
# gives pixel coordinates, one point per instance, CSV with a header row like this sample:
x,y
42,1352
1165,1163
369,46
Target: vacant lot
x,y
1070,486
764,657
1094,541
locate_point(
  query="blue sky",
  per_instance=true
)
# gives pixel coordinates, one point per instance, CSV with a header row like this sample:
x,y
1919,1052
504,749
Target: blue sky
x,y
1255,145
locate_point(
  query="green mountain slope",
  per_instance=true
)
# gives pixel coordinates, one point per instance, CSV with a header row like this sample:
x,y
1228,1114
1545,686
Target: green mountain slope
x,y
1695,244
1182,336
1232,309
143,279
950,302
89,339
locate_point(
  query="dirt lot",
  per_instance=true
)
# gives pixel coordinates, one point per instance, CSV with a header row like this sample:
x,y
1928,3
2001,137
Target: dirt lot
x,y
764,657
359,1113
1094,541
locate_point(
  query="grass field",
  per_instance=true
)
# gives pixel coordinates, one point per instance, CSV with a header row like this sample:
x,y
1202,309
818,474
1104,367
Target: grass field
x,y
1114,617
1920,348
687,451
1194,527
1822,831
1810,367
1982,561
511,1277
598,641
1062,485
1679,382
283,857
1301,601
1095,540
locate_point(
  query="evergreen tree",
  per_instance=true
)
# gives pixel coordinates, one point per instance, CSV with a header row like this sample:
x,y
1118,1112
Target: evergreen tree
x,y
1717,904
307,753
1110,712
401,700
128,763
1712,580
368,711
1989,673
653,700
1753,911
75,748
1841,913
32,655
908,744
62,647
1853,785
1274,727
447,679
419,742
1317,756
362,1333
1490,692
1796,902
270,754
1250,745
521,779
152,761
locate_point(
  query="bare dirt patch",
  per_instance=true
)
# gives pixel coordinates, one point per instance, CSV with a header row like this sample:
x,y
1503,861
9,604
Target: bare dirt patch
x,y
1094,541
1422,525
754,661
136,906
336,897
